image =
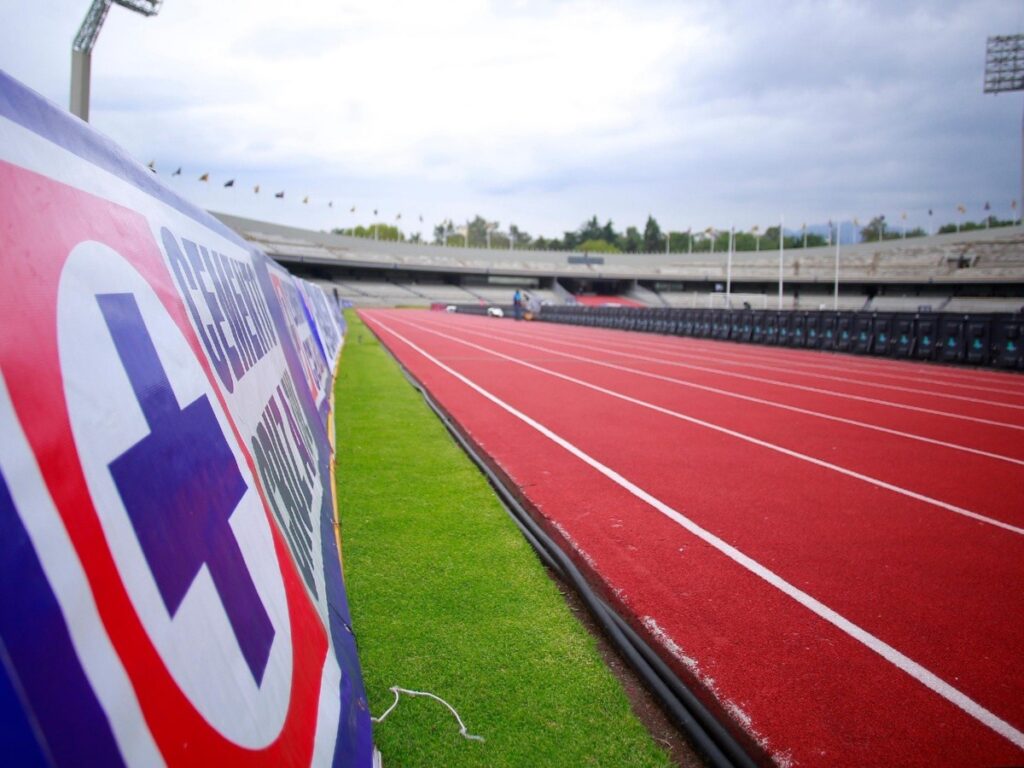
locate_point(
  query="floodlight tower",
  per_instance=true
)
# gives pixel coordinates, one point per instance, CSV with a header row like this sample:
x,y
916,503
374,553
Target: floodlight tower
x,y
1004,72
81,50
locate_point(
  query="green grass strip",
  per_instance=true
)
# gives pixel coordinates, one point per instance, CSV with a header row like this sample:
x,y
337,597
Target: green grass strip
x,y
447,597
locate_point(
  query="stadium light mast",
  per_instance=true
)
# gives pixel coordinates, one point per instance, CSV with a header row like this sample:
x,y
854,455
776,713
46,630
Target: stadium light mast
x,y
81,49
1004,72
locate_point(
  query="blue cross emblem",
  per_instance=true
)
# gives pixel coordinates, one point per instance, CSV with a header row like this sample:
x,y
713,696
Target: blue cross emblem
x,y
180,485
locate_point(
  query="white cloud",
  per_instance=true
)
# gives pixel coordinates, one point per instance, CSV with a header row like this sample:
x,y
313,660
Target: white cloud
x,y
548,112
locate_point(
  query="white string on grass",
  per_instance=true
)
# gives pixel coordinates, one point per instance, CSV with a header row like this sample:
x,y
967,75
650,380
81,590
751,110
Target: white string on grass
x,y
397,691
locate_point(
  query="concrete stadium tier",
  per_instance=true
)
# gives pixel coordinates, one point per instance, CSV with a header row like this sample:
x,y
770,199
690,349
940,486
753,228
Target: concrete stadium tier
x,y
980,270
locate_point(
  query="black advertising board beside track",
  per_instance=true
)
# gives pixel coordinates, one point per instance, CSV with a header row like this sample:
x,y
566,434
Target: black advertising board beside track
x,y
992,340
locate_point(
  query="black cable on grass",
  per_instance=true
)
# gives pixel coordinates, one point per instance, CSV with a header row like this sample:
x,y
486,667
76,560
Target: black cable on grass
x,y
707,734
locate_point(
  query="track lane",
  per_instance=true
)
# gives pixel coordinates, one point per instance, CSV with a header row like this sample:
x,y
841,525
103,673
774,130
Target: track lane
x,y
997,438
972,482
919,418
771,359
497,375
907,370
988,407
463,358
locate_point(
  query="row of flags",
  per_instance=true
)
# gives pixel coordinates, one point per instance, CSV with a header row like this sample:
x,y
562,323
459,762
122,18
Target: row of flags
x,y
205,177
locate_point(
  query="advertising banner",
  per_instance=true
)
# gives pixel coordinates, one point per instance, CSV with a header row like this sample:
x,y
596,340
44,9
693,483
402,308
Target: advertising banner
x,y
169,569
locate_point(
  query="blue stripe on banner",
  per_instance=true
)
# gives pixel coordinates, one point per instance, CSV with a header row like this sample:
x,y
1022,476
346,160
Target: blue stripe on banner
x,y
42,664
23,106
355,742
315,331
19,743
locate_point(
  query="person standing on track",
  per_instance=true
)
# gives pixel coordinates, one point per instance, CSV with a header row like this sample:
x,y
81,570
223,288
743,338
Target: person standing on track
x,y
517,304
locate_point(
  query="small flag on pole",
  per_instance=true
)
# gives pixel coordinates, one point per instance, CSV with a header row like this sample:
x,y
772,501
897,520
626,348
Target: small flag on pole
x,y
177,172
229,183
279,194
205,177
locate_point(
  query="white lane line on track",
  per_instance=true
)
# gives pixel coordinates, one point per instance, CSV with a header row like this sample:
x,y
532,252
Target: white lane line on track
x,y
937,374
748,398
851,363
848,380
921,378
879,646
805,388
733,433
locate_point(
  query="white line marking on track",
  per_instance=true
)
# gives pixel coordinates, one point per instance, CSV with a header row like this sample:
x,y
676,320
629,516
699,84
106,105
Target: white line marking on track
x,y
879,646
816,390
937,373
920,378
878,483
743,363
748,398
851,362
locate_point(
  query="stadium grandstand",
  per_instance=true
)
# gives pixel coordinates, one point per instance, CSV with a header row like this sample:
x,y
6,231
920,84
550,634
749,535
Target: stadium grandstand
x,y
975,271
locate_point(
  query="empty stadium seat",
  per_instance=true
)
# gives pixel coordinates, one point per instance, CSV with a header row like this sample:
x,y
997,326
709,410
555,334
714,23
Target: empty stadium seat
x,y
844,331
882,331
703,322
812,330
735,324
720,326
977,335
708,323
902,336
1007,331
796,324
863,333
951,339
771,328
782,328
757,334
926,336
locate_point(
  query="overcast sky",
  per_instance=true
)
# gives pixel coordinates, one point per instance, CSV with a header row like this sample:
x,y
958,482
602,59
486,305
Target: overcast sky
x,y
543,114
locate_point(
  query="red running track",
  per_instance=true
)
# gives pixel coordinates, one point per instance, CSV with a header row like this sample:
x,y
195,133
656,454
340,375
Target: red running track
x,y
831,548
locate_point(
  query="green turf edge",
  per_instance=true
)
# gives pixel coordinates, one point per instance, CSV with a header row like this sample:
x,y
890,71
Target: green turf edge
x,y
446,596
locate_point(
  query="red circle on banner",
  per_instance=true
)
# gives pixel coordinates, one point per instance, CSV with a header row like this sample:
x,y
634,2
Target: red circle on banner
x,y
36,246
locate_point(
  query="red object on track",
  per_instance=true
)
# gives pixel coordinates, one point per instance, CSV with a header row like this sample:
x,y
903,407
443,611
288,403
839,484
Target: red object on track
x,y
829,548
608,301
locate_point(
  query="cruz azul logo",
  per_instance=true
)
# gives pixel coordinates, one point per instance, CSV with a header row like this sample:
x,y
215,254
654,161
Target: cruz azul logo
x,y
194,589
174,495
